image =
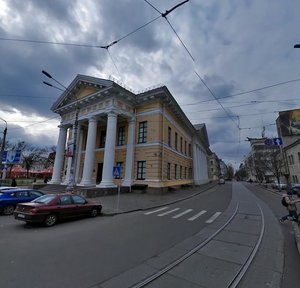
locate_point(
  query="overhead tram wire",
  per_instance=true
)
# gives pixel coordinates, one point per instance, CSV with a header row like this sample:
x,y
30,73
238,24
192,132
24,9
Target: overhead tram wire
x,y
190,55
251,91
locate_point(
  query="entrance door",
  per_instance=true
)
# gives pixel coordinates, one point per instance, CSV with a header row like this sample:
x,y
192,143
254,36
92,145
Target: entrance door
x,y
99,173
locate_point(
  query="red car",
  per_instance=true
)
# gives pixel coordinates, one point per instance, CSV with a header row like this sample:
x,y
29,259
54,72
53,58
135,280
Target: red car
x,y
50,208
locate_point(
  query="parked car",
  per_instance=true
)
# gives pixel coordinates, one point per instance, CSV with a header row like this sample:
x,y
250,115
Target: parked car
x,y
9,198
277,185
296,188
4,188
221,181
50,208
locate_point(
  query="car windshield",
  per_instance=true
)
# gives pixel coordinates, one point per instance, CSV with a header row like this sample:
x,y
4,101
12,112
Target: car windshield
x,y
44,199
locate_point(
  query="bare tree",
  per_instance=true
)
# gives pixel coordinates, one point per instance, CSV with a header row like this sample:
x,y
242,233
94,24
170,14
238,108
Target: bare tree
x,y
30,157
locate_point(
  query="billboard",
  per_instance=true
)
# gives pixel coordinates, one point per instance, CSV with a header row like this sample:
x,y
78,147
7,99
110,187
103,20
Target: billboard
x,y
11,157
288,123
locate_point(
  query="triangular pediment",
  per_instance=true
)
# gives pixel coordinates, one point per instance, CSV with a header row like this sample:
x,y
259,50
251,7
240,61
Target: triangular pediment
x,y
80,88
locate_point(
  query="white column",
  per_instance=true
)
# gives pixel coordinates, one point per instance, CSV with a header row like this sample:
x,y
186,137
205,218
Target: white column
x,y
89,154
78,153
59,156
109,151
130,153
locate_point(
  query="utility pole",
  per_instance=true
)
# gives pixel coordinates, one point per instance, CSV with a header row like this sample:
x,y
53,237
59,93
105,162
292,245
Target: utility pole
x,y
71,183
3,147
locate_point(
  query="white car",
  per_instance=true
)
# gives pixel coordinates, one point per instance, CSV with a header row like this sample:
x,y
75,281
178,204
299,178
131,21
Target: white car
x,y
221,181
277,185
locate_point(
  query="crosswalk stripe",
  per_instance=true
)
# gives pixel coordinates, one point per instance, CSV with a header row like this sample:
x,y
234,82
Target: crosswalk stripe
x,y
214,217
182,213
197,215
168,212
160,209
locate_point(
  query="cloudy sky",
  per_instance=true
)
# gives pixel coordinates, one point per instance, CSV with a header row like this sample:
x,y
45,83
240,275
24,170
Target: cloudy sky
x,y
208,54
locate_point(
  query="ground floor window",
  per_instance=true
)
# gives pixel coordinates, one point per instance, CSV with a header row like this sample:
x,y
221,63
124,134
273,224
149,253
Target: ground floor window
x,y
141,170
169,171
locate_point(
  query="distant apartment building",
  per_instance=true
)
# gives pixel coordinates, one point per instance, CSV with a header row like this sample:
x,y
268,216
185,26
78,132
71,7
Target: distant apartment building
x,y
147,134
214,170
288,128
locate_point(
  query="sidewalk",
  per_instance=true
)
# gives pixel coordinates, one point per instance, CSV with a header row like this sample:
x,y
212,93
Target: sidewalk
x,y
129,202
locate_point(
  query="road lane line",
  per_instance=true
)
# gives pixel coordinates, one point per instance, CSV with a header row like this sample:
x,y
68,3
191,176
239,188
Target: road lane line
x,y
214,217
168,212
151,212
197,215
182,213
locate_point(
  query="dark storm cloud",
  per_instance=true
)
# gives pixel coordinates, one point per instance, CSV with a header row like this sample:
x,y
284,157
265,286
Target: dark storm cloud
x,y
230,42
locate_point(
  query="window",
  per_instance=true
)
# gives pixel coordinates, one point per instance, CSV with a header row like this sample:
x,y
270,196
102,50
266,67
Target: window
x,y
102,139
292,159
181,144
169,171
169,136
299,157
78,199
120,164
176,140
185,147
185,175
142,136
180,175
190,150
65,200
22,194
121,136
35,193
176,171
141,170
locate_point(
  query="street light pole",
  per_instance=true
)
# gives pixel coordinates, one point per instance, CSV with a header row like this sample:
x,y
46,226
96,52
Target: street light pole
x,y
72,183
3,146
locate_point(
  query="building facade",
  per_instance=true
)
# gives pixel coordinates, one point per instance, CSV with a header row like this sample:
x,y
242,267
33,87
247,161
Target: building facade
x,y
288,128
104,125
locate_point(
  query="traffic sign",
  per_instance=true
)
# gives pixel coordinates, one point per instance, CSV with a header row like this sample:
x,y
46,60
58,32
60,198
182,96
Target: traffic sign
x,y
277,141
269,142
117,171
273,141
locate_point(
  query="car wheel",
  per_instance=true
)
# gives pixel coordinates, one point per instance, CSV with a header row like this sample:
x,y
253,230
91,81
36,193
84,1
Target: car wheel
x,y
8,210
94,212
50,220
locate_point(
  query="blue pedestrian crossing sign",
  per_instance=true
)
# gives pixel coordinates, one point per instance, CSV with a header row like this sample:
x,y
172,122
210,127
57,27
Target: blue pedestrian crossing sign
x,y
273,141
117,171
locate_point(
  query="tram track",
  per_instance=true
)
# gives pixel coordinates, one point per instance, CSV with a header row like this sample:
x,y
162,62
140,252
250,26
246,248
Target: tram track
x,y
236,278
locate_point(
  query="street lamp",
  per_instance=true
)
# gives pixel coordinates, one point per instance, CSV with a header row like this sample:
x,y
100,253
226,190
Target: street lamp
x,y
3,145
71,183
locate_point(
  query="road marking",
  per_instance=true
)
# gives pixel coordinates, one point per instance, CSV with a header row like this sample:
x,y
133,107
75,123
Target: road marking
x,y
182,213
151,212
171,211
197,215
214,217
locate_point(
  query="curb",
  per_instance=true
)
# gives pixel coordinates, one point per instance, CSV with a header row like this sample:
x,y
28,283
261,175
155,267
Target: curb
x,y
109,213
297,235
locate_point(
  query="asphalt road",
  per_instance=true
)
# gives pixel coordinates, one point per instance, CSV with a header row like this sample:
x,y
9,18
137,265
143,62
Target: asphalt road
x,y
86,252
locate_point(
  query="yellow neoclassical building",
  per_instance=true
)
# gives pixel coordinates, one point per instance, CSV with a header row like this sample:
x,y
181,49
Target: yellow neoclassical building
x,y
147,134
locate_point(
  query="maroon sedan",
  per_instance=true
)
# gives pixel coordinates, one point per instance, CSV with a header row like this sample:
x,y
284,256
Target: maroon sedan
x,y
50,208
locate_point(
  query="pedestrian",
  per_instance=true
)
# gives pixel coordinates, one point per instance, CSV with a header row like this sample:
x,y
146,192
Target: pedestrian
x,y
13,182
290,203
